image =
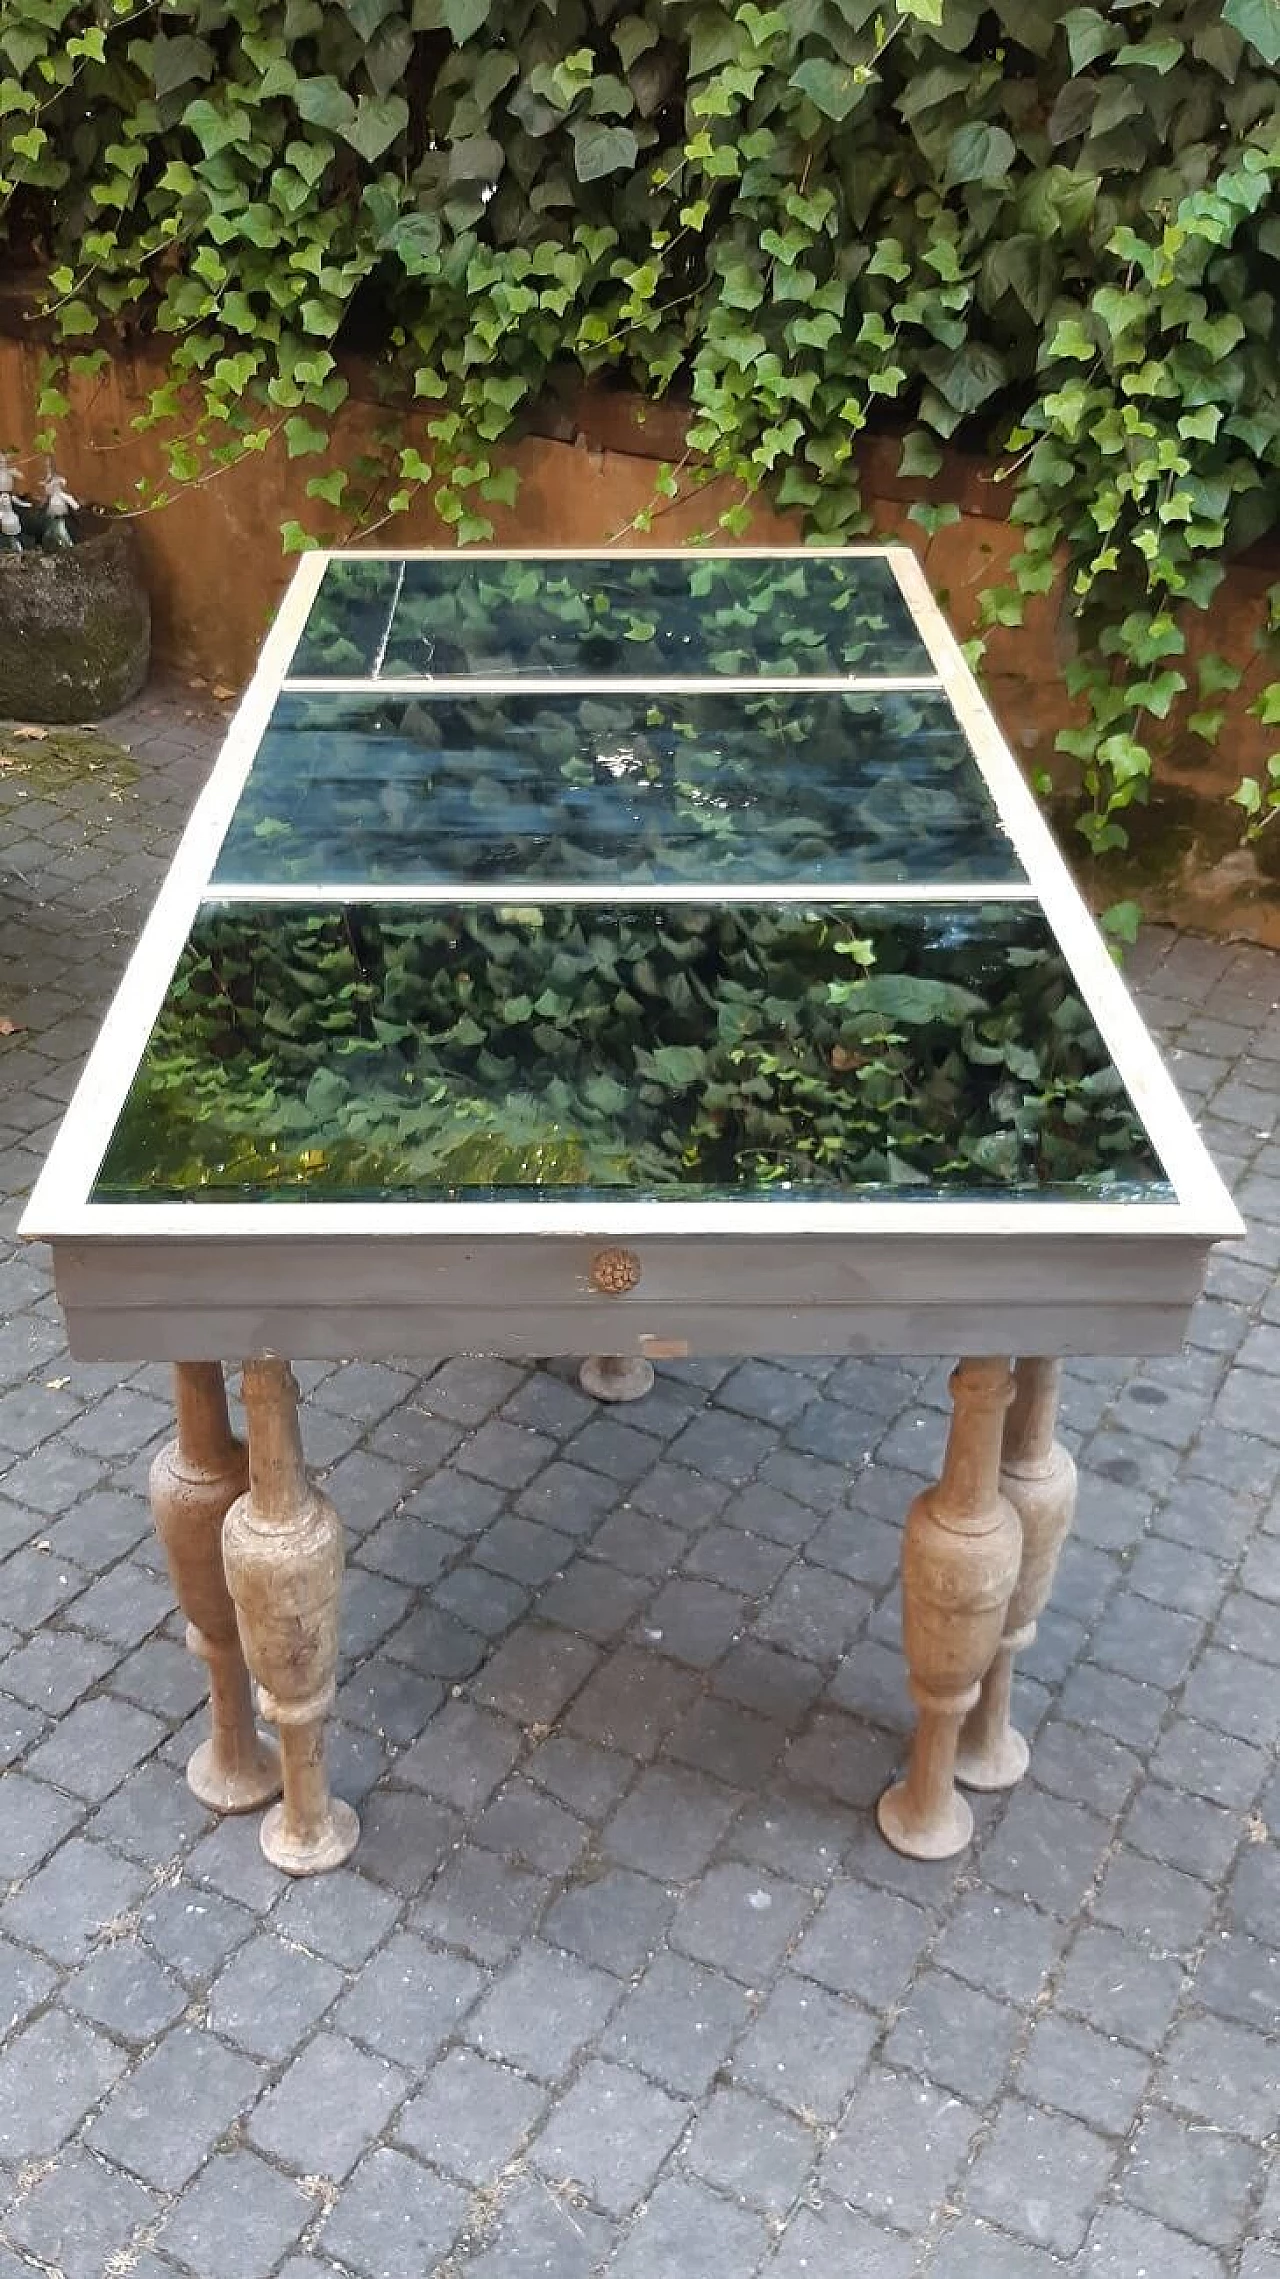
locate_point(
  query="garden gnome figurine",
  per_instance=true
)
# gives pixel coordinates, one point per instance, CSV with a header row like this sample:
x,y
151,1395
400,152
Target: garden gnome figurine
x,y
58,505
10,527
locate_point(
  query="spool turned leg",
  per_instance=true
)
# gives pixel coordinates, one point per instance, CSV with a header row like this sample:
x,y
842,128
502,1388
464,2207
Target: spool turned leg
x,y
959,1567
282,1544
616,1377
194,1480
1039,1479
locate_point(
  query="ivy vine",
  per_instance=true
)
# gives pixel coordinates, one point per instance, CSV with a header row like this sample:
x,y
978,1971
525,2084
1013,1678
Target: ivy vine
x,y
1048,232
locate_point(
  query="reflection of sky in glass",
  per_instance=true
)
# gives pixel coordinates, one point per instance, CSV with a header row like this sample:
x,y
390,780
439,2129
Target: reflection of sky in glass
x,y
750,787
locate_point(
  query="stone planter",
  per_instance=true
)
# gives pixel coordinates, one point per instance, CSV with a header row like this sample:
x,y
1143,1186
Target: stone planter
x,y
75,626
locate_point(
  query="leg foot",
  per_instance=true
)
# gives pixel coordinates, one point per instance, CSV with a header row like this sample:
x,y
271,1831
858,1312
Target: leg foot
x,y
615,1377
283,1549
194,1480
1039,1479
960,1562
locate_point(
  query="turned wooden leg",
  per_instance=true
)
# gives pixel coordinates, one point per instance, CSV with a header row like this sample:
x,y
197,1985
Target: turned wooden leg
x,y
282,1544
1039,1479
194,1480
615,1377
959,1566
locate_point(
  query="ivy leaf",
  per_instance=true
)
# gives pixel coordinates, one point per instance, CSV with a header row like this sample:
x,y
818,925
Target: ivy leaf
x,y
920,455
915,1000
1257,21
979,153
1088,35
633,37
599,149
831,87
324,103
175,62
477,158
378,120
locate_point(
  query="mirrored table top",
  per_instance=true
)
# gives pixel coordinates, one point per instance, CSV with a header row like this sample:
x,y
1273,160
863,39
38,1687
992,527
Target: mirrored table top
x,y
662,878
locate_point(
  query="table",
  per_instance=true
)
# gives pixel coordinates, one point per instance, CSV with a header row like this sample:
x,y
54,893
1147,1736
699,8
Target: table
x,y
642,954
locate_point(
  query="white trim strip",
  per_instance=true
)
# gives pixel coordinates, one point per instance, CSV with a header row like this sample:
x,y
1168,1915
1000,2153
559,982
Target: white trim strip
x,y
706,893
635,685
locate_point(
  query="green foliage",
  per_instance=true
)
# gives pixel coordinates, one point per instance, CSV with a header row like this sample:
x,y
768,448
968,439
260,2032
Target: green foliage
x,y
1048,231
655,1052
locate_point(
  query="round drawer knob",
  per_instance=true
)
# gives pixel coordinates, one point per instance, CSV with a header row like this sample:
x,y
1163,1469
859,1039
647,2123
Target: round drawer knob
x,y
614,1271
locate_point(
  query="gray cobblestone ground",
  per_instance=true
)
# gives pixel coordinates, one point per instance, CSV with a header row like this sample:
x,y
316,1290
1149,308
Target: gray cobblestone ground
x,y
621,1975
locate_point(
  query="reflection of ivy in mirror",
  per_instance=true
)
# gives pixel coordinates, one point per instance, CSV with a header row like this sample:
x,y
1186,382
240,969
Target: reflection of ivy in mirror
x,y
611,617
618,786
651,1051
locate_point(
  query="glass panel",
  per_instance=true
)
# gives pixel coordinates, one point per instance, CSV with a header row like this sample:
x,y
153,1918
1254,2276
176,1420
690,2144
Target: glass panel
x,y
735,789
668,1052
617,617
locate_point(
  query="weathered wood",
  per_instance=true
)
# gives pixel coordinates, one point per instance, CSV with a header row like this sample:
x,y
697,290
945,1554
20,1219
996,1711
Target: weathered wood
x,y
959,1567
1039,1479
283,1549
194,1481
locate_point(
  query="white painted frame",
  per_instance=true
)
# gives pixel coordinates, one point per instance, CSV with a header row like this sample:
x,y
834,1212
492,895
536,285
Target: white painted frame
x,y
1200,1214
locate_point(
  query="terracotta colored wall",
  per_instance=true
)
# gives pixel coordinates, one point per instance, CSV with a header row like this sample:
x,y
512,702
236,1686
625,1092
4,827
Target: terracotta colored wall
x,y
216,570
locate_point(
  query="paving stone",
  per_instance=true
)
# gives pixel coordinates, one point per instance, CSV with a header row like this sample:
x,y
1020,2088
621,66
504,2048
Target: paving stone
x,y
898,2149
270,1996
1163,1907
488,1603
471,2117
93,1748
955,2034
123,1989
1119,2240
1039,2175
409,2000
530,1829
82,2218
678,2024
805,2050
462,1757
586,1778
632,1701
865,1943
1120,1987
534,1673
544,2010
76,1897
394,2219
670,1823
25,1982
166,2117
332,2102
694,1621
838,2239
850,1761
481,1904
152,1816
1196,1757
340,1917
1092,2075
595,1598
686,2228
237,2219
468,1391
798,1836
1192,2176
1002,1945
750,2151
609,2137
970,2249
1254,1890
1045,1850
404,1836
1223,2074
534,2235
1239,1977
611,1917
814,1614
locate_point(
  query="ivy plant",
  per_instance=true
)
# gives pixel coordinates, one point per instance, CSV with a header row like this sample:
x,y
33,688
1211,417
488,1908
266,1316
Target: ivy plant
x,y
1046,232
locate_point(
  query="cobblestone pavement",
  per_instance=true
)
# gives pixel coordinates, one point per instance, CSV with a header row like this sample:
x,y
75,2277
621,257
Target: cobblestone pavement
x,y
621,1974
